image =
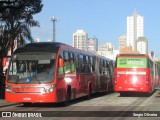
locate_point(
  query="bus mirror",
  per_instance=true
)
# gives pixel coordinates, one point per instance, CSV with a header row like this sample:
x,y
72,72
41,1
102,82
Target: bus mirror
x,y
4,62
61,62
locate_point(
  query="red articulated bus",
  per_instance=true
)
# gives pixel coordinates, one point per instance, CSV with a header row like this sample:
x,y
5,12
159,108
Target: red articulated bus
x,y
135,73
55,72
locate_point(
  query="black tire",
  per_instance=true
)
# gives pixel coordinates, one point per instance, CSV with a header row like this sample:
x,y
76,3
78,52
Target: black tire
x,y
68,97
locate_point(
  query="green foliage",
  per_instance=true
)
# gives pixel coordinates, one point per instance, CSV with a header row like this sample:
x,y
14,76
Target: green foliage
x,y
16,18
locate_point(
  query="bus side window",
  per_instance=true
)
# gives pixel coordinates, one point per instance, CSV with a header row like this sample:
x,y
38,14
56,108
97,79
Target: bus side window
x,y
103,67
89,64
67,66
72,62
107,68
83,68
151,67
77,62
93,63
61,69
100,66
81,63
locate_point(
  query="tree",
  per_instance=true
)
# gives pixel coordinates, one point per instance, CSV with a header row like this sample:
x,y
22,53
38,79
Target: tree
x,y
16,18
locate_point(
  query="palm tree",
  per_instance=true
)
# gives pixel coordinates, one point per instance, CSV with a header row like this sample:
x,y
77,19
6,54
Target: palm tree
x,y
24,31
16,18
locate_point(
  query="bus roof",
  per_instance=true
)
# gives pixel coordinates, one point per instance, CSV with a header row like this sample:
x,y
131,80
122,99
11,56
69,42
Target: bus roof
x,y
52,47
133,55
40,47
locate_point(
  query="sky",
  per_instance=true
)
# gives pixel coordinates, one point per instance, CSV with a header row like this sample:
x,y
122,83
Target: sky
x,y
103,19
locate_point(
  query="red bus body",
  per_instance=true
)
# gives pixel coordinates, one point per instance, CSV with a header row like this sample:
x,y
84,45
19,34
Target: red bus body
x,y
137,78
80,75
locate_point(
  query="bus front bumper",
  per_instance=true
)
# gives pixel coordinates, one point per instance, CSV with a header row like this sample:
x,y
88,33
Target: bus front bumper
x,y
132,89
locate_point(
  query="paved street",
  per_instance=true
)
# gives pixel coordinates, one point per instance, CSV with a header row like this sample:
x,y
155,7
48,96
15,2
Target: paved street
x,y
98,107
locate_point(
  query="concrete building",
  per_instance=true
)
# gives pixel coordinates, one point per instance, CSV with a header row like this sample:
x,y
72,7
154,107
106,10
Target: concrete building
x,y
106,50
80,38
135,29
122,41
142,45
92,44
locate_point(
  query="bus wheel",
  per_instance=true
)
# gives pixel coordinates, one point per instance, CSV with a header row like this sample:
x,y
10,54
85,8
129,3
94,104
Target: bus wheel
x,y
68,96
89,92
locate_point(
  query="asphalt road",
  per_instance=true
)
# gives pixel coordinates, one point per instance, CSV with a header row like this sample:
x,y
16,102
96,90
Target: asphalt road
x,y
101,106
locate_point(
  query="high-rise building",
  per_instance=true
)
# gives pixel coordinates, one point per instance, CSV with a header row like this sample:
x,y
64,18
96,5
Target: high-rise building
x,y
135,29
106,50
142,45
92,44
80,38
122,41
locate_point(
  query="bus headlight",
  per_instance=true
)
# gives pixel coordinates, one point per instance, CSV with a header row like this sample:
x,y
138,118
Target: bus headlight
x,y
8,89
48,89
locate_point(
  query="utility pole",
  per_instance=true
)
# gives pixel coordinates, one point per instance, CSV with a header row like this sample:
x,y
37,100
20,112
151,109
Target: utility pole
x,y
54,20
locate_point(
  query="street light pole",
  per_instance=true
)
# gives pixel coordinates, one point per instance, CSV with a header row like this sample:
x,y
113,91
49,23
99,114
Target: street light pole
x,y
54,19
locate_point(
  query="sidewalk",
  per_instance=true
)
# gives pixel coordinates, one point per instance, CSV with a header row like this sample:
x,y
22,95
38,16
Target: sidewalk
x,y
3,103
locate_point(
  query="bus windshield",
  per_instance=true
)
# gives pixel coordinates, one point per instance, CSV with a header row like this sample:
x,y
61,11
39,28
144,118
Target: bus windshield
x,y
131,62
32,68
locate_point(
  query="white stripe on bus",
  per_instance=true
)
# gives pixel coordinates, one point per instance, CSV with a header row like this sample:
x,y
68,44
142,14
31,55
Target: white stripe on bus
x,y
137,73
